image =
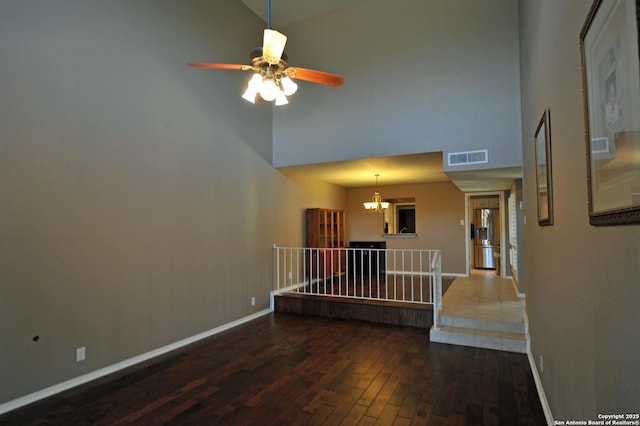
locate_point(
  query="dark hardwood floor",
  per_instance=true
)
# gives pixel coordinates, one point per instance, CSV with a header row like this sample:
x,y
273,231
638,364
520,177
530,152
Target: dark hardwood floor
x,y
284,369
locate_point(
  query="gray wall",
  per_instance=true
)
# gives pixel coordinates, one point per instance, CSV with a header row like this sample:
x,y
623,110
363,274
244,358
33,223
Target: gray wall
x,y
420,76
439,209
135,190
582,281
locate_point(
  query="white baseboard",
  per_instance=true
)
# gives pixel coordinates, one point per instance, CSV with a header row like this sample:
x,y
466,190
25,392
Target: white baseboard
x,y
541,394
85,378
515,287
451,274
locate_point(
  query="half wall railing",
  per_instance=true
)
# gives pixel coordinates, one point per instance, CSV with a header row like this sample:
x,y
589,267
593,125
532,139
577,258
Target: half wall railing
x,y
393,275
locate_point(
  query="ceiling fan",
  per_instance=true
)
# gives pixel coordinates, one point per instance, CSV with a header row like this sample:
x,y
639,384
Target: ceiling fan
x,y
273,78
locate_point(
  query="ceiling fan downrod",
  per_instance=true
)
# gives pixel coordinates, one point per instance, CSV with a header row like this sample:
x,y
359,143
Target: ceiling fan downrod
x,y
269,14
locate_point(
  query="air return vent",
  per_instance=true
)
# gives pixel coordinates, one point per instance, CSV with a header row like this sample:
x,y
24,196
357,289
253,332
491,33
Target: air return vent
x,y
599,145
468,157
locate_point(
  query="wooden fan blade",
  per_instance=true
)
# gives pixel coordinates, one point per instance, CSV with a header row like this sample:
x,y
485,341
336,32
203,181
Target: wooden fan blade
x,y
221,66
315,76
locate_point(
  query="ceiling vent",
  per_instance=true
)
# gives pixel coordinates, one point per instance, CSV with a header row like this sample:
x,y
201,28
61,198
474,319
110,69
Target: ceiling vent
x,y
468,157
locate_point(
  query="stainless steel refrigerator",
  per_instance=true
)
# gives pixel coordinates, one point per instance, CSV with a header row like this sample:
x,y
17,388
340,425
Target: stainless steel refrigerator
x,y
486,237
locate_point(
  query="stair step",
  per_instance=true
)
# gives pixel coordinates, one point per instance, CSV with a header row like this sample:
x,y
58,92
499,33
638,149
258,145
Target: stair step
x,y
450,320
504,341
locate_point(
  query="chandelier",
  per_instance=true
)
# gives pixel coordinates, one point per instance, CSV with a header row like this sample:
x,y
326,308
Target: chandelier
x,y
376,205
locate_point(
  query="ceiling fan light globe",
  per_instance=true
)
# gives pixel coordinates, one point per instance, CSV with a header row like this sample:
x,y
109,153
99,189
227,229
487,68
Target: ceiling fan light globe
x,y
289,86
273,44
255,82
250,95
281,98
269,90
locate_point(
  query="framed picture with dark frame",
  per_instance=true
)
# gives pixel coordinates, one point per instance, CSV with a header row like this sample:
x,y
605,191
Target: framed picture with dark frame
x,y
610,50
544,182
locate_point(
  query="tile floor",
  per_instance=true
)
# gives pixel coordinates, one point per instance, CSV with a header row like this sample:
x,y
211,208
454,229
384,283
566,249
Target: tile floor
x,y
482,310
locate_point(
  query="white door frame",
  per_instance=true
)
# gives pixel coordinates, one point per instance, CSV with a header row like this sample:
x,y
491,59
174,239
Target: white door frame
x,y
467,232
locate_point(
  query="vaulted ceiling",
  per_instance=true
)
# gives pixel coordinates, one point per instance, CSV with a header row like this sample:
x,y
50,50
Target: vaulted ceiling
x,y
401,169
284,12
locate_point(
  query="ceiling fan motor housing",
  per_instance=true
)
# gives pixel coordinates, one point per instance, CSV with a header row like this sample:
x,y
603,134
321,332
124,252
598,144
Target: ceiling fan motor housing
x,y
258,62
257,52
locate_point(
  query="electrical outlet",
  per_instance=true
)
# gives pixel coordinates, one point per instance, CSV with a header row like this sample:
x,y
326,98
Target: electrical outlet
x,y
80,354
290,274
253,301
462,222
541,364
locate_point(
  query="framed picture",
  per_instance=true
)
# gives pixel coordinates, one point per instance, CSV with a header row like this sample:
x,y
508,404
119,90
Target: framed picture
x,y
609,44
544,183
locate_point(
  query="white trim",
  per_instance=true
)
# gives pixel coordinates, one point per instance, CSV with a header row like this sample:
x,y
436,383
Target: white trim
x,y
409,273
451,274
297,286
502,209
536,379
503,233
515,287
424,274
85,378
467,235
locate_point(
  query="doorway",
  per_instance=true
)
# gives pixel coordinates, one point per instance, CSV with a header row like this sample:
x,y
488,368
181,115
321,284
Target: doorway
x,y
485,235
